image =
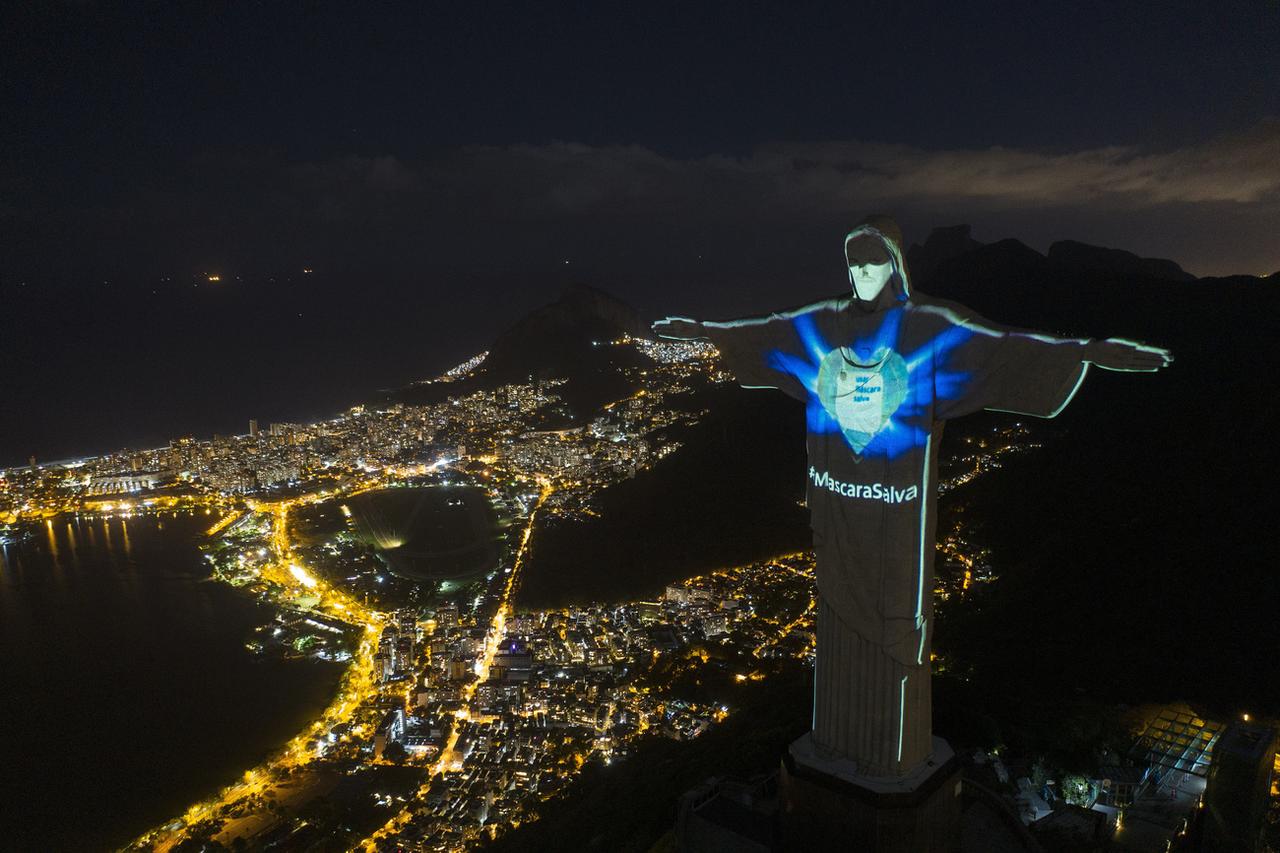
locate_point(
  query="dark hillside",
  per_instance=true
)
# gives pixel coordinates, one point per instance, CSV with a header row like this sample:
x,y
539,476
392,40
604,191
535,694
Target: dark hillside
x,y
555,341
730,495
1133,548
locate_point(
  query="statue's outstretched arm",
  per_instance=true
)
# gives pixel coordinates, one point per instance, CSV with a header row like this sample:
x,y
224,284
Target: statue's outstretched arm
x,y
750,346
1125,355
680,329
688,329
1022,370
1110,354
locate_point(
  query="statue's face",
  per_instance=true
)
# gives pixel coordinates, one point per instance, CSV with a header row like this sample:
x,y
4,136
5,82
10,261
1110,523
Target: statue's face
x,y
869,266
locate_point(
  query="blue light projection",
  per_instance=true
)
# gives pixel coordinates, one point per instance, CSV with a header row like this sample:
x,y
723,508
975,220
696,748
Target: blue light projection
x,y
877,398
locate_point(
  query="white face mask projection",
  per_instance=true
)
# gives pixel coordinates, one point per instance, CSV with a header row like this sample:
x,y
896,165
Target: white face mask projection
x,y
879,370
861,397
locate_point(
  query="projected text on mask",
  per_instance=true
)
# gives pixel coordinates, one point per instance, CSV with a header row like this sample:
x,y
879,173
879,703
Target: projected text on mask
x,y
863,491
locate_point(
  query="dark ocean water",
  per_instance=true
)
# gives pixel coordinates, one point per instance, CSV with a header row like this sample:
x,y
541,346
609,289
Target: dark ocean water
x,y
131,364
126,692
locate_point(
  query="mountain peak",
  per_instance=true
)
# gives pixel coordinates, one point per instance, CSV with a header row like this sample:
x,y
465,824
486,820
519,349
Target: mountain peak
x,y
942,244
583,303
560,340
1072,253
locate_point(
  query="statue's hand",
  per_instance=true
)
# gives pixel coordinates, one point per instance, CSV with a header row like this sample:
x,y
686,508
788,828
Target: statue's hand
x,y
679,329
1128,356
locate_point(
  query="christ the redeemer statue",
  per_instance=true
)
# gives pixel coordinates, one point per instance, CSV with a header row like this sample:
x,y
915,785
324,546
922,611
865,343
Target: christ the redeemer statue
x,y
879,371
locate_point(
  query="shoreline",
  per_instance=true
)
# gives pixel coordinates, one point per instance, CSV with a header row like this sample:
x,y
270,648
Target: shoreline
x,y
354,680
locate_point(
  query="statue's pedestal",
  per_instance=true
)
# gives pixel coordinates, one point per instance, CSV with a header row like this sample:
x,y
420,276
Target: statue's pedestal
x,y
828,805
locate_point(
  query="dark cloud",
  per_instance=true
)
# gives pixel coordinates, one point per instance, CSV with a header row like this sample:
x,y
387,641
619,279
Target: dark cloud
x,y
1242,168
1188,203
632,215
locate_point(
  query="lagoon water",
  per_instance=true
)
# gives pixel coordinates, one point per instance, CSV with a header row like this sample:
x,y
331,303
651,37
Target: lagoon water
x,y
126,692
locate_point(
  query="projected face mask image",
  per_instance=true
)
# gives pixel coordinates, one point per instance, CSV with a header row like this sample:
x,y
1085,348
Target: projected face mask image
x,y
869,392
861,398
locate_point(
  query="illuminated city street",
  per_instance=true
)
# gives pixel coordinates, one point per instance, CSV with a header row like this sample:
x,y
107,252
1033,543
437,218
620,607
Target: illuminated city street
x,y
495,633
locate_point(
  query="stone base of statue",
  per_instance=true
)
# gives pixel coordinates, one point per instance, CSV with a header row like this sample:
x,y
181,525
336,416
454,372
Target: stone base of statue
x,y
827,805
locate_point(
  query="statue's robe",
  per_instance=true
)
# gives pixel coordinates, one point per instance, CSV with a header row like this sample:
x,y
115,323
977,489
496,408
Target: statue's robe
x,y
878,380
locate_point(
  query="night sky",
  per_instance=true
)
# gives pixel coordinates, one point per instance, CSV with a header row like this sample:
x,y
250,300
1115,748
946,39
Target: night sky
x,y
443,168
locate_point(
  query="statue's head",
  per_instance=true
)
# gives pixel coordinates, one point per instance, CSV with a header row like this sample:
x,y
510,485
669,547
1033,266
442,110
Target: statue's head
x,y
873,255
